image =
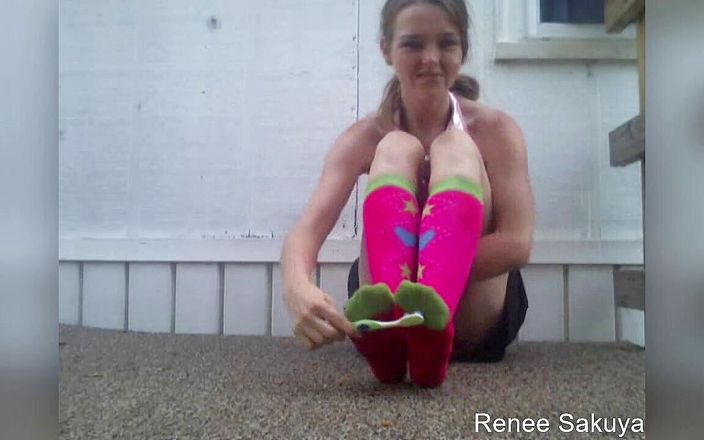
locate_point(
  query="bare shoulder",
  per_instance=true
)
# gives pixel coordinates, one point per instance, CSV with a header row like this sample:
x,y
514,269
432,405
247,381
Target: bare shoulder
x,y
496,133
487,121
356,145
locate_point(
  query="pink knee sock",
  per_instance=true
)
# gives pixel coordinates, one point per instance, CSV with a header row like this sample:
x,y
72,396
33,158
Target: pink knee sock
x,y
391,221
449,234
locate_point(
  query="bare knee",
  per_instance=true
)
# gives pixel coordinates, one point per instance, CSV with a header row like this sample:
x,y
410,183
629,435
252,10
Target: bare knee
x,y
397,153
454,154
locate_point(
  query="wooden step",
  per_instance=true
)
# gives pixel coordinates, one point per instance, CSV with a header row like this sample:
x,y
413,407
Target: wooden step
x,y
627,142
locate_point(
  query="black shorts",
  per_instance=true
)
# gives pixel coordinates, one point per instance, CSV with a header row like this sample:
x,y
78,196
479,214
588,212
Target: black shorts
x,y
493,348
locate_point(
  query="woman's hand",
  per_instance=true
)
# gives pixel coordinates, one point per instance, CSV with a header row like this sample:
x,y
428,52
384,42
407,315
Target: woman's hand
x,y
316,321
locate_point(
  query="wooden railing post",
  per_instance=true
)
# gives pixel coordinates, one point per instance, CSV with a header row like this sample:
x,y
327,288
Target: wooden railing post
x,y
627,142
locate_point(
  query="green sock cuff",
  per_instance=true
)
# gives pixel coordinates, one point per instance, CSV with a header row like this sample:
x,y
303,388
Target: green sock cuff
x,y
390,180
458,184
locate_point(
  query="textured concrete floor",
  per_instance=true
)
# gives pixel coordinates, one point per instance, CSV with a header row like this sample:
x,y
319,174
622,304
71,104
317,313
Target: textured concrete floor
x,y
116,385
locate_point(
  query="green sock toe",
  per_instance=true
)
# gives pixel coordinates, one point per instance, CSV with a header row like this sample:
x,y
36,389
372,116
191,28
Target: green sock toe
x,y
414,297
369,301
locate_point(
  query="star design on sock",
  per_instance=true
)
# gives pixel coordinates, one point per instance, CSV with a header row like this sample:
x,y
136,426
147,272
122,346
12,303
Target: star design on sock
x,y
421,268
405,271
427,210
410,206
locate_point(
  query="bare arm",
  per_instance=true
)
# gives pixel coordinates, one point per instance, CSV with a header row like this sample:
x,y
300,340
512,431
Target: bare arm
x,y
508,247
299,256
316,321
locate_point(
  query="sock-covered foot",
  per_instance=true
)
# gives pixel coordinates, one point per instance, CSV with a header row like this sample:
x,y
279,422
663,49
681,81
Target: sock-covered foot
x,y
429,345
449,234
368,301
429,354
384,350
414,297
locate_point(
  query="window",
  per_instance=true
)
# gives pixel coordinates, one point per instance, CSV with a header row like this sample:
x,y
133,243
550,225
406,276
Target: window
x,y
569,19
558,29
572,11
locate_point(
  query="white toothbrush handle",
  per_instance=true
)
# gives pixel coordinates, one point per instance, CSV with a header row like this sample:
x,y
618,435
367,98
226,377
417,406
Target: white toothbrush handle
x,y
388,324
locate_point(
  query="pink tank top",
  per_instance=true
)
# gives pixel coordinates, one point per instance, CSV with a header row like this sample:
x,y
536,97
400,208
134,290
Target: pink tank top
x,y
456,122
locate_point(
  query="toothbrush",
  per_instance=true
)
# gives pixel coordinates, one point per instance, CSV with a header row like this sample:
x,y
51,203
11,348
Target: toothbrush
x,y
407,320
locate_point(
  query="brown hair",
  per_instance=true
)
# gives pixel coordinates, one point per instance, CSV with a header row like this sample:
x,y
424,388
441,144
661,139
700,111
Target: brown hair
x,y
457,12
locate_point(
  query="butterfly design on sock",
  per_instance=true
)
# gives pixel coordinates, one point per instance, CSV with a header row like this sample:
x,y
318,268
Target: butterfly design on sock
x,y
426,238
410,239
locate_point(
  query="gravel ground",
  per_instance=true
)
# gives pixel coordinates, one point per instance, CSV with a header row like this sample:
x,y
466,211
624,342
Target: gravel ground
x,y
116,385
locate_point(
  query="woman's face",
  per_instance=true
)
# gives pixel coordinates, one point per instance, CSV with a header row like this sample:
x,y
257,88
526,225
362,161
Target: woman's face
x,y
426,51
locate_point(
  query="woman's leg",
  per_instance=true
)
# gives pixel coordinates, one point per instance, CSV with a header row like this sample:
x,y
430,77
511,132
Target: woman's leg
x,y
489,318
390,211
481,307
449,233
390,215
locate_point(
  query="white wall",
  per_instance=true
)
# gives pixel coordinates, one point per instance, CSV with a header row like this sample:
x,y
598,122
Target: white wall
x,y
210,119
199,119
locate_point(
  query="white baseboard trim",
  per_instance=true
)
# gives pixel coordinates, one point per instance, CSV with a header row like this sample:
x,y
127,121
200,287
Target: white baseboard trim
x,y
333,251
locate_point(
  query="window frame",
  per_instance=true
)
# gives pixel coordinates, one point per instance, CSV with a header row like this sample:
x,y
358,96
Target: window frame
x,y
521,35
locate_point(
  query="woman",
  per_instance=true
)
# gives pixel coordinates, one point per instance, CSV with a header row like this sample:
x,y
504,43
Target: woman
x,y
448,212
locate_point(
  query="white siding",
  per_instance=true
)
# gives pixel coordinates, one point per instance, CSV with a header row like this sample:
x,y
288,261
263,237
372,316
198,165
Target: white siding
x,y
69,293
104,292
253,304
281,322
545,319
333,281
150,297
247,299
591,303
631,326
197,298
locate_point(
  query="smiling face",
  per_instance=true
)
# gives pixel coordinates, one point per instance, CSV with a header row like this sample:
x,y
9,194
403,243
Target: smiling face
x,y
425,50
